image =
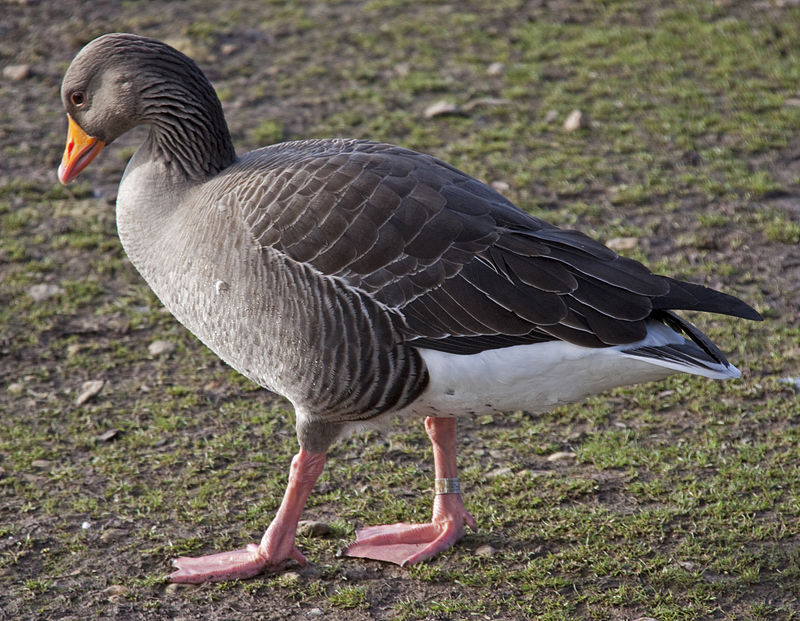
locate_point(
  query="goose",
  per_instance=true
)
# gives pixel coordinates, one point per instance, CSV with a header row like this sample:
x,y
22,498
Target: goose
x,y
364,281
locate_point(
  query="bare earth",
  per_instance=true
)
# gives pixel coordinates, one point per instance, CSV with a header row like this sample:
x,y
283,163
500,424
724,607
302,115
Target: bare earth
x,y
171,453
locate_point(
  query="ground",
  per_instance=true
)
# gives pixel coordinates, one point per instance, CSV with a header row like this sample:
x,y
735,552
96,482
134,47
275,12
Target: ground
x,y
676,500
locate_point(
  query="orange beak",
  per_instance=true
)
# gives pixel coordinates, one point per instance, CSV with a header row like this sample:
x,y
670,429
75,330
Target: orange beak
x,y
80,150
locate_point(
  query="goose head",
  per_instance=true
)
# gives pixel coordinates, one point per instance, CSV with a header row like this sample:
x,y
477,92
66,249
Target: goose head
x,y
119,81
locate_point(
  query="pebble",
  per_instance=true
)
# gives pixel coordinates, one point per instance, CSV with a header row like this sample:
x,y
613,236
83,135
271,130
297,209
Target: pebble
x,y
290,577
74,348
160,348
15,388
42,464
499,472
315,612
484,102
551,116
441,108
215,387
497,68
116,592
16,73
109,435
622,243
187,46
577,119
88,390
313,528
43,291
485,550
539,473
501,186
113,533
560,456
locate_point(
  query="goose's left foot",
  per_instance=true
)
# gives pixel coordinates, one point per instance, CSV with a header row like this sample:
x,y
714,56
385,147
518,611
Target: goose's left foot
x,y
406,544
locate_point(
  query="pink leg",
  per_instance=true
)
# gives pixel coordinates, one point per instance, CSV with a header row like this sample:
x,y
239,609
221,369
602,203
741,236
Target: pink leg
x,y
405,544
277,544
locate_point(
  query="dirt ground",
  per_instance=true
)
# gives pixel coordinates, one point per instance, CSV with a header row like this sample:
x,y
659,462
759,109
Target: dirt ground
x,y
290,70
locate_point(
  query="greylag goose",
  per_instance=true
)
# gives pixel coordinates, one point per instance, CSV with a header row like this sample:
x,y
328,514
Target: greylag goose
x,y
364,281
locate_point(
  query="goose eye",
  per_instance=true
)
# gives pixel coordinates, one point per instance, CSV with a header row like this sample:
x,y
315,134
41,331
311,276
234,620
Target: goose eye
x,y
78,98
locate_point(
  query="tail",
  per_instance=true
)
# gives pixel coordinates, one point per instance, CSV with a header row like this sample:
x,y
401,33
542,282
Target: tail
x,y
667,345
684,295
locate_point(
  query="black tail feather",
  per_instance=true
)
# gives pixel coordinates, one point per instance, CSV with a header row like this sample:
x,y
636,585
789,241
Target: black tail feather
x,y
689,296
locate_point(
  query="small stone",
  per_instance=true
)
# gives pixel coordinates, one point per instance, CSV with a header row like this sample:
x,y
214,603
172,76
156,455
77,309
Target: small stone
x,y
111,534
315,612
496,68
16,73
221,287
484,102
88,390
109,435
501,186
187,46
15,388
215,387
499,472
228,48
313,528
560,456
43,291
485,550
551,116
576,120
42,464
86,525
618,244
645,619
74,348
116,592
182,587
160,348
441,108
539,473
289,578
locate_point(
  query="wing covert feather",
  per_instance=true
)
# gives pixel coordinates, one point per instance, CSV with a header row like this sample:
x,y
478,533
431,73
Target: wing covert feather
x,y
447,256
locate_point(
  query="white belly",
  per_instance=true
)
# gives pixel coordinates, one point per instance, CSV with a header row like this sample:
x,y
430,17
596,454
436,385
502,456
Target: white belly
x,y
533,377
